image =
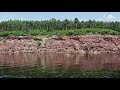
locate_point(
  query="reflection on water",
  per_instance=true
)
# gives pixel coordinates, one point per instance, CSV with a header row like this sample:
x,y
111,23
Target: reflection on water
x,y
67,61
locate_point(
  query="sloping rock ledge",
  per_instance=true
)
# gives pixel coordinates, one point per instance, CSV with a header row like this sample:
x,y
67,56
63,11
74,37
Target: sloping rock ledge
x,y
68,44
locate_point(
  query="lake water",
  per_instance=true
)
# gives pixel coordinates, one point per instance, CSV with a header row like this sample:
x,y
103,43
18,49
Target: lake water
x,y
26,64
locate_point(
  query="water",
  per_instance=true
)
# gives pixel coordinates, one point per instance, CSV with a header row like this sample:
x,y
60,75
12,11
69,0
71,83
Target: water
x,y
46,64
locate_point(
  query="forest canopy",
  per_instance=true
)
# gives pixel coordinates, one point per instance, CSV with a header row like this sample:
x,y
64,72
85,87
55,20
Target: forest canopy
x,y
54,24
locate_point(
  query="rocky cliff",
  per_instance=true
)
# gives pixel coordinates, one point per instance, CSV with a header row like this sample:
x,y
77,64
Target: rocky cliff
x,y
83,43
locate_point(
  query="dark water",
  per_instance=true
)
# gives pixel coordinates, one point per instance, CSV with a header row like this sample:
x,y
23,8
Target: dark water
x,y
26,64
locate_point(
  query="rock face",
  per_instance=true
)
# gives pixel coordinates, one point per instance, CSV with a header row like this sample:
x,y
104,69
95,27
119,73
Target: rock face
x,y
22,38
86,43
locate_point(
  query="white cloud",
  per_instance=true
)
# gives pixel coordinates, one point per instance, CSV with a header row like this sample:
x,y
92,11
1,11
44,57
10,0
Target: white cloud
x,y
109,17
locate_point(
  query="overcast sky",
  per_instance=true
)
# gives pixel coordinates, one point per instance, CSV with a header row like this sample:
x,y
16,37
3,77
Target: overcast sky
x,y
101,16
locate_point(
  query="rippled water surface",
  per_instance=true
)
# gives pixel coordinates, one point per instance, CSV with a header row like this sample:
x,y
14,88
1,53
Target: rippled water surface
x,y
36,64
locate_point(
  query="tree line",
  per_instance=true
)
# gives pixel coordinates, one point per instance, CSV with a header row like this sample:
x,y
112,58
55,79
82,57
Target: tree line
x,y
54,24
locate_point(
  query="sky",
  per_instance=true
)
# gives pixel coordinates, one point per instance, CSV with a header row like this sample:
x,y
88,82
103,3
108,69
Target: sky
x,y
98,16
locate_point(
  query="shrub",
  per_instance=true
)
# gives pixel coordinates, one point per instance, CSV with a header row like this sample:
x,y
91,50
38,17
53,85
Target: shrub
x,y
69,33
59,32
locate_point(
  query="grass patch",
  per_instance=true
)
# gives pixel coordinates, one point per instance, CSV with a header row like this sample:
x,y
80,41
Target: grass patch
x,y
59,32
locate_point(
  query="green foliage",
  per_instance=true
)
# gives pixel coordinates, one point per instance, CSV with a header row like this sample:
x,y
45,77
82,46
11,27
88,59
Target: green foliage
x,y
69,33
59,32
54,24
